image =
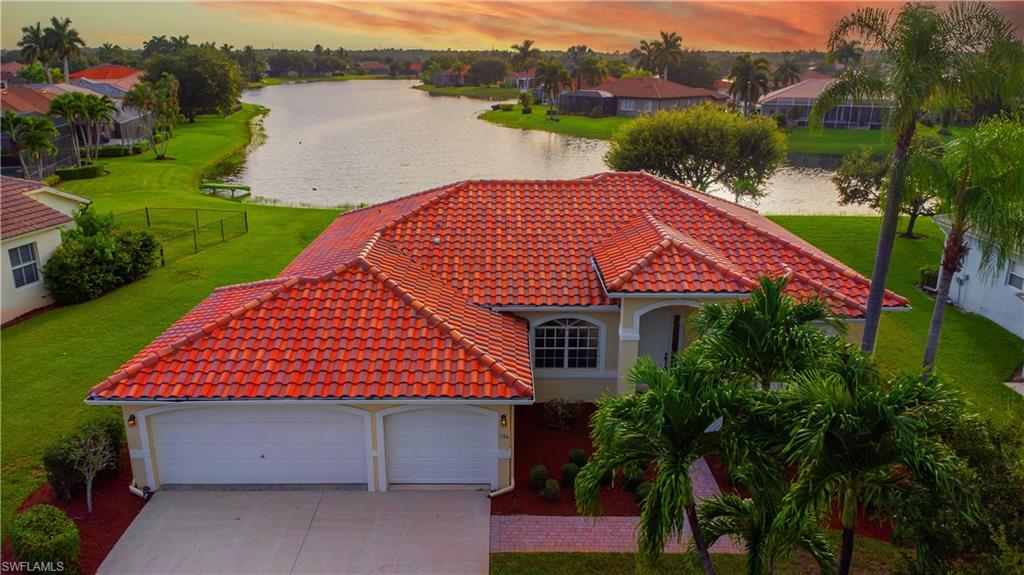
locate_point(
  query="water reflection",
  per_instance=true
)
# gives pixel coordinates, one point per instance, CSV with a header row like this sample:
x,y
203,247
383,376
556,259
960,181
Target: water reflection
x,y
333,143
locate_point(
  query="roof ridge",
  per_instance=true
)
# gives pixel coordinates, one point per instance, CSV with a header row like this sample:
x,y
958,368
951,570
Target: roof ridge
x,y
644,260
824,288
687,241
206,329
432,317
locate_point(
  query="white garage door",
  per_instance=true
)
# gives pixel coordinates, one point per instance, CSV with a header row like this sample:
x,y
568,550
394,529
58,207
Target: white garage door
x,y
442,445
260,445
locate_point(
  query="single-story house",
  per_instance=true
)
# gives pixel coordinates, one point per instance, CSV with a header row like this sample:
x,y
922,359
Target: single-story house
x,y
796,100
30,102
32,216
115,88
105,72
395,348
377,68
588,102
989,290
524,80
126,124
634,96
449,78
9,73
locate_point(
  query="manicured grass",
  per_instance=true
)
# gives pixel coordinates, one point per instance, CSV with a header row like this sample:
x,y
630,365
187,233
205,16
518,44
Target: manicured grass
x,y
808,141
870,557
481,92
975,354
304,79
50,361
582,126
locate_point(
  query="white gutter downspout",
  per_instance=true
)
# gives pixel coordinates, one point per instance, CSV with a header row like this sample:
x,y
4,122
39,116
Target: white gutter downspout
x,y
136,491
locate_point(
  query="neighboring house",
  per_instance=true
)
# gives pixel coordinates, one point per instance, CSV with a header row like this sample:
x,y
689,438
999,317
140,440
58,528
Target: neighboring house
x,y
994,292
116,88
796,100
524,80
395,347
32,216
375,68
125,126
634,96
105,72
30,102
449,78
9,74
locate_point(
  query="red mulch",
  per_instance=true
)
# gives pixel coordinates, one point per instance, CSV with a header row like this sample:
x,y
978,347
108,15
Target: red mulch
x,y
867,526
536,444
113,509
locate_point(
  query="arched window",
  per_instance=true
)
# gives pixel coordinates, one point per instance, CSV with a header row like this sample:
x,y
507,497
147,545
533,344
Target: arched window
x,y
566,343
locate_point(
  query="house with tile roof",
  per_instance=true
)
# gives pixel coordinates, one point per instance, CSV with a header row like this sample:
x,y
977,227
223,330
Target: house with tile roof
x,y
32,216
105,72
396,347
795,101
634,96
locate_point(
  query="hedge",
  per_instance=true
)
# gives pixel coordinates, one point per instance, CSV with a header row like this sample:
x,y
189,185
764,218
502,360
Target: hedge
x,y
44,535
81,172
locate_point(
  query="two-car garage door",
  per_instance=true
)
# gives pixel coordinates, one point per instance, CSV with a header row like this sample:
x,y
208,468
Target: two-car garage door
x,y
246,444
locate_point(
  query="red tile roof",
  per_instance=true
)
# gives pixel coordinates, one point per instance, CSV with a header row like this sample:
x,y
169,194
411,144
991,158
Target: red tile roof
x,y
390,301
25,100
654,89
21,214
105,72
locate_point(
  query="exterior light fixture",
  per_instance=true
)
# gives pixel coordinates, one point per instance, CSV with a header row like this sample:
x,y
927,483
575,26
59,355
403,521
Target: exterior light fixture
x,y
131,420
504,420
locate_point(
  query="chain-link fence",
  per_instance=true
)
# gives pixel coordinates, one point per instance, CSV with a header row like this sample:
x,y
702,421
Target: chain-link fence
x,y
185,231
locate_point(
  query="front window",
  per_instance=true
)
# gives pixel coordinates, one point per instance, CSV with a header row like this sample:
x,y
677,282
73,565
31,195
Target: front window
x,y
24,264
627,105
566,343
1016,276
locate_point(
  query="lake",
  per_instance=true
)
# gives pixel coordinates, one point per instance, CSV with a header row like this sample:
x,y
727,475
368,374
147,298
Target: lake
x,y
367,141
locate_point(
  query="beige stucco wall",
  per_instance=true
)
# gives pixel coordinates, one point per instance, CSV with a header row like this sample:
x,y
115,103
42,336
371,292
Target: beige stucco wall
x,y
141,449
19,301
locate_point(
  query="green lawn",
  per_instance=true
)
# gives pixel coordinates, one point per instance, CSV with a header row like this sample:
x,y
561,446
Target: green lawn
x,y
481,92
800,140
50,361
975,354
582,126
341,77
870,557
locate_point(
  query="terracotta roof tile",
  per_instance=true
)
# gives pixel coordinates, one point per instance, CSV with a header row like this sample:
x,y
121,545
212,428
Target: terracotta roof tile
x,y
21,214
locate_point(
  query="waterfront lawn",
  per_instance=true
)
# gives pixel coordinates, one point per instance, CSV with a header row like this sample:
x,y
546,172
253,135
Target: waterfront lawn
x,y
975,355
480,92
842,142
582,126
51,360
274,81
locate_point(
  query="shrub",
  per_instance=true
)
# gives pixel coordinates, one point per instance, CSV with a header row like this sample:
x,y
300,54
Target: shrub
x,y
633,474
58,460
81,172
51,180
569,473
930,277
780,120
550,491
140,147
596,112
579,457
113,151
527,110
44,534
507,107
97,257
561,413
538,476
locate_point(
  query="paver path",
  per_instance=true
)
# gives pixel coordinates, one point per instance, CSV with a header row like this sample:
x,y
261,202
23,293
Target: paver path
x,y
542,533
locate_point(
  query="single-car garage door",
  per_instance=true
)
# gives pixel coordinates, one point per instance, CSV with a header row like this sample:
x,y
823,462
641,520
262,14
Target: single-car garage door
x,y
260,445
442,445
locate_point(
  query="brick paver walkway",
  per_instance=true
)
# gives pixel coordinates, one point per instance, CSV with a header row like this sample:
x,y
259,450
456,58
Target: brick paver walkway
x,y
540,533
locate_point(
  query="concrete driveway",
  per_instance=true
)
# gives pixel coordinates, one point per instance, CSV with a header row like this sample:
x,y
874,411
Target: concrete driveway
x,y
346,532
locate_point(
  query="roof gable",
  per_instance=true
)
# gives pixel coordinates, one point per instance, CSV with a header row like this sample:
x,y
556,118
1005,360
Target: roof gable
x,y
653,89
20,213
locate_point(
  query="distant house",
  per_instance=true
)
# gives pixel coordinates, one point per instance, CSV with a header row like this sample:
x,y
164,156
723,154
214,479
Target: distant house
x,y
116,88
105,72
449,78
415,68
524,80
125,126
9,73
375,68
26,101
635,96
795,102
990,291
32,216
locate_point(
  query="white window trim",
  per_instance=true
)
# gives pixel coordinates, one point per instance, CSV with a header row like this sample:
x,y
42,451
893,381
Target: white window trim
x,y
1010,274
39,269
555,372
627,105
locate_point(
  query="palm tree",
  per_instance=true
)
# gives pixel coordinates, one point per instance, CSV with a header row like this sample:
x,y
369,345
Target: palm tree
x,y
35,135
749,80
847,52
923,48
853,435
574,58
35,46
11,124
767,337
99,112
786,73
523,55
645,55
593,70
64,40
979,183
668,51
662,427
79,102
552,76
68,107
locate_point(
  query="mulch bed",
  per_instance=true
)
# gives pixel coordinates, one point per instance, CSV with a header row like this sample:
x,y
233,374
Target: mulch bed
x,y
536,444
114,509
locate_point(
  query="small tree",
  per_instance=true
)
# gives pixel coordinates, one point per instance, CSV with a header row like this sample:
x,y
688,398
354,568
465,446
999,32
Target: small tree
x,y
487,71
701,146
158,105
91,453
526,101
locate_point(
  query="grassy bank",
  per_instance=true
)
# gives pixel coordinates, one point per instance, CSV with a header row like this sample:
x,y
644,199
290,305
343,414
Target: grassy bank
x,y
50,361
339,78
479,92
799,140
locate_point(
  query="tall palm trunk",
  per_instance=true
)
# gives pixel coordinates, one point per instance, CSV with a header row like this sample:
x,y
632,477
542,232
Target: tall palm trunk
x,y
19,151
46,70
849,520
698,537
887,236
66,71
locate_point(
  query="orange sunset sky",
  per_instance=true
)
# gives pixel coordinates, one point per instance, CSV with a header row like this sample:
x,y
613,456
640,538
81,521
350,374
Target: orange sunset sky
x,y
605,26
